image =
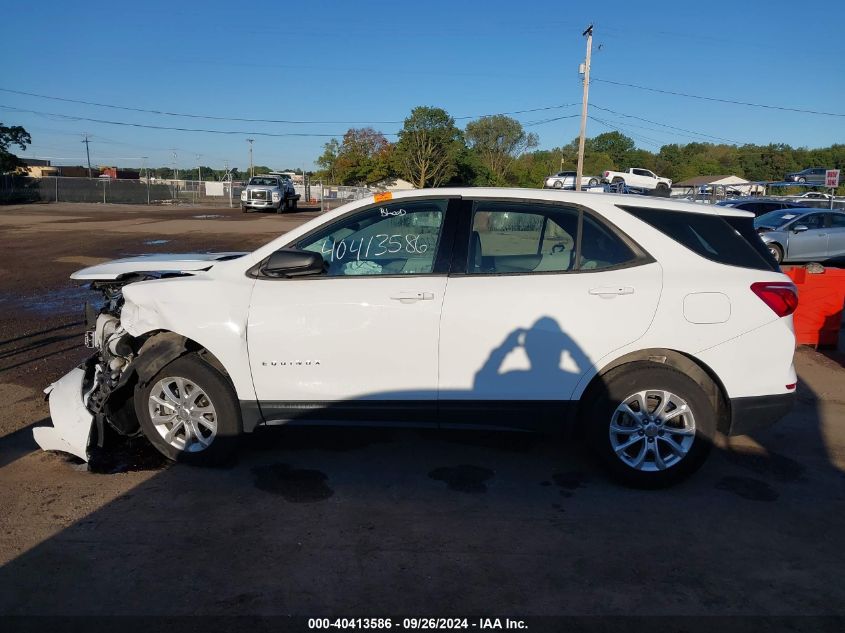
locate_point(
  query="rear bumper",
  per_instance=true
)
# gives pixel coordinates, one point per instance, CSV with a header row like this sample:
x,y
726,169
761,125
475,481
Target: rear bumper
x,y
758,412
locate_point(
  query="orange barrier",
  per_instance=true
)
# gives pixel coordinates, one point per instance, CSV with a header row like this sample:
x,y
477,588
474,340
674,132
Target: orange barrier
x,y
818,318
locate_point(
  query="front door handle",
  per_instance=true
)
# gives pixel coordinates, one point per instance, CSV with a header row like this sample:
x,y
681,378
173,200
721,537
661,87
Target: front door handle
x,y
411,296
612,291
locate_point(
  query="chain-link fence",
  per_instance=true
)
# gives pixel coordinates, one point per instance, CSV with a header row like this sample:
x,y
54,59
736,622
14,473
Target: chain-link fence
x,y
333,196
15,189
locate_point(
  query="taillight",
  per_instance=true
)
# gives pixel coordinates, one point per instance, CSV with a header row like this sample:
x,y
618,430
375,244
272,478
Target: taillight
x,y
606,174
780,296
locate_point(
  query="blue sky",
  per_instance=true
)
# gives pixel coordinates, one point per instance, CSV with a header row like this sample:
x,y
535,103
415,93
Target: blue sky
x,y
372,61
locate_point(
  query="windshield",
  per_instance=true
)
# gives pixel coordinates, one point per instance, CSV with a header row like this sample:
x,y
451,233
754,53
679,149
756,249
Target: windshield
x,y
266,182
775,219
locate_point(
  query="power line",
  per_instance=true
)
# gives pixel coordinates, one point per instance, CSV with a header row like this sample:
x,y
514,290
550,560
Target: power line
x,y
251,120
645,139
172,128
671,127
720,100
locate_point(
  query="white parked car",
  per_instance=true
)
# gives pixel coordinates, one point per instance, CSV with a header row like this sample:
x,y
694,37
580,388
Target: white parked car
x,y
645,324
567,180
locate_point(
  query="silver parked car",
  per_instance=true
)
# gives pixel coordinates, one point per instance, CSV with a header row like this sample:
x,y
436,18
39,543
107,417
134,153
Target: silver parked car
x,y
566,180
801,235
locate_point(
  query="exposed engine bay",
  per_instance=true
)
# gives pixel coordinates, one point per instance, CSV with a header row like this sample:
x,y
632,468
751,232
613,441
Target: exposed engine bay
x,y
95,399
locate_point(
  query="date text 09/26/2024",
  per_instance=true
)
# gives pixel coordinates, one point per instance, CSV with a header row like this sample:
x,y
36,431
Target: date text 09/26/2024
x,y
417,623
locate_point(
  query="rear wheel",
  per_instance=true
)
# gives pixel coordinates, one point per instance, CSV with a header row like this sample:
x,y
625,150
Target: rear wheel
x,y
776,251
593,182
650,424
189,412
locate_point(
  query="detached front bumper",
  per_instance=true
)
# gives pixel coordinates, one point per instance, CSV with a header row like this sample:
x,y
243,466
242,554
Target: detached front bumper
x,y
72,422
758,412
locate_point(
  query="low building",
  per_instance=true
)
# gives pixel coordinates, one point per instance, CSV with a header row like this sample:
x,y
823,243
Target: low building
x,y
719,183
37,168
120,174
392,184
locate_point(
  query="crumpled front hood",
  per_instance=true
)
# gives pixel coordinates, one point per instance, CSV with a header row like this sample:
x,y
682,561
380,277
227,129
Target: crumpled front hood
x,y
159,262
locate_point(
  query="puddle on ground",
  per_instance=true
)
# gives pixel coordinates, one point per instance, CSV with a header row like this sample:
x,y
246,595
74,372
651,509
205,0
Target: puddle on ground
x,y
463,478
52,302
568,482
293,484
748,488
156,242
208,216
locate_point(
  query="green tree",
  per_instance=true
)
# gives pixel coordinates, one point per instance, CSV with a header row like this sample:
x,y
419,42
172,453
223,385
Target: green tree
x,y
614,144
498,140
12,135
328,160
363,157
428,148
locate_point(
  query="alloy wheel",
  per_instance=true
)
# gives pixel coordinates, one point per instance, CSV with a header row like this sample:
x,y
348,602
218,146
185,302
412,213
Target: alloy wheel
x,y
183,414
652,430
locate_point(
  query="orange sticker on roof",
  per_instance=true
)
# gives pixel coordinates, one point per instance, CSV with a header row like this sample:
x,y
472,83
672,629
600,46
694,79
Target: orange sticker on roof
x,y
382,197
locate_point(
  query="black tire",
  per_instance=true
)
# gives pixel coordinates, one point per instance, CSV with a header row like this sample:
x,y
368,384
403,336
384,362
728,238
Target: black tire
x,y
293,204
593,182
662,191
777,252
617,180
244,208
219,392
283,205
557,184
617,385
802,180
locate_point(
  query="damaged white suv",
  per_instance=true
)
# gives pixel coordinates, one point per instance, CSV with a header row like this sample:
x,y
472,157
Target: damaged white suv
x,y
647,325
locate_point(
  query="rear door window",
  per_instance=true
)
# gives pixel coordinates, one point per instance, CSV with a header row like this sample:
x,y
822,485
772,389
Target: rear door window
x,y
519,237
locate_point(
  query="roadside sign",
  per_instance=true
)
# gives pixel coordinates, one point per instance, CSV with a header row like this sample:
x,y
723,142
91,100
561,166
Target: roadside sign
x,y
831,178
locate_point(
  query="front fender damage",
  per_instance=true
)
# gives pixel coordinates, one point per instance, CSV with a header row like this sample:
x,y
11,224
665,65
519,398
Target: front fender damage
x,y
98,394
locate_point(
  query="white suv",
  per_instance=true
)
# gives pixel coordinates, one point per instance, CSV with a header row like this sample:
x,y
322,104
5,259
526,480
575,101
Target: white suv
x,y
647,324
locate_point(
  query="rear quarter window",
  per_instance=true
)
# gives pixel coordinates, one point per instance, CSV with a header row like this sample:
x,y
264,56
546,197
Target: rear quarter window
x,y
723,239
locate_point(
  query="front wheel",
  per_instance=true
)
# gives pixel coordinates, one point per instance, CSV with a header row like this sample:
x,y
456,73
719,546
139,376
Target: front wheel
x,y
557,184
776,251
650,424
802,180
189,412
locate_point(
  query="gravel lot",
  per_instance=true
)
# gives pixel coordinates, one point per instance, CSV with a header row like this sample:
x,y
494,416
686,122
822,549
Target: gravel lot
x,y
322,522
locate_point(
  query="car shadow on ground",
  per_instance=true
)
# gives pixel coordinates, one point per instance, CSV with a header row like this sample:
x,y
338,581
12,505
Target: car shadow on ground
x,y
339,521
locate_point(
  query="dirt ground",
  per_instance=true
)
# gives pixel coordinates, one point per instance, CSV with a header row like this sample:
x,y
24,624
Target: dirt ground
x,y
322,522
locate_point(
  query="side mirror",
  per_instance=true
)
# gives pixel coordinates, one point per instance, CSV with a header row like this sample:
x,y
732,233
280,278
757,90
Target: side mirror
x,y
291,262
800,228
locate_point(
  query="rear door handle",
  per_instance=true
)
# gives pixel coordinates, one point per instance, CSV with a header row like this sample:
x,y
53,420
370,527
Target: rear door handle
x,y
612,291
410,296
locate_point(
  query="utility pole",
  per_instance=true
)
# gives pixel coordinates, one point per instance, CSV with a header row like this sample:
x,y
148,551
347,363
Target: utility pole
x,y
87,153
175,167
231,181
581,138
251,170
146,175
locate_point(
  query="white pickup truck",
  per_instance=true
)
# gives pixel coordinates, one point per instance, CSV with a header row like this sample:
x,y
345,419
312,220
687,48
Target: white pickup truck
x,y
637,177
271,191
